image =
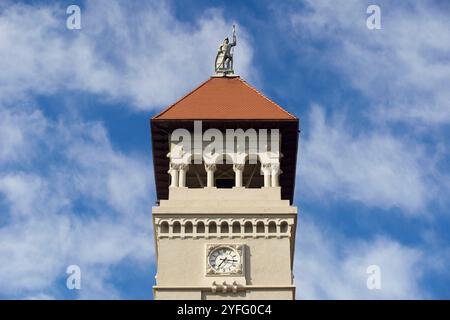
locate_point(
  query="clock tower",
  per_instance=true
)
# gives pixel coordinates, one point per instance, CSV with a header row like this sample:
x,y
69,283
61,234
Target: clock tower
x,y
224,160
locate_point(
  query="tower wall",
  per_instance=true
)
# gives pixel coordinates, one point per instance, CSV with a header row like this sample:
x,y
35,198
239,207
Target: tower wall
x,y
224,158
257,219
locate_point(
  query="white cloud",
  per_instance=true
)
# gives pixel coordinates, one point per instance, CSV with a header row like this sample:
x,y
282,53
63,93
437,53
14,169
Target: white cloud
x,y
403,68
132,52
16,131
328,266
374,168
91,208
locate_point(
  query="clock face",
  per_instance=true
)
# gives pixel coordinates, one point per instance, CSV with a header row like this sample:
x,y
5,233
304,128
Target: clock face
x,y
224,260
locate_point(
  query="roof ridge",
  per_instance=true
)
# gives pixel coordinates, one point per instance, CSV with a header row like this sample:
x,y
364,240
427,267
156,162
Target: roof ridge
x,y
181,99
265,97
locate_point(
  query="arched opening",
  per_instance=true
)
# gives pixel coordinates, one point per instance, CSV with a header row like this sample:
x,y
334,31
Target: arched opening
x,y
236,227
272,227
248,227
224,227
164,227
200,227
224,175
196,176
284,227
176,227
188,227
260,227
252,177
212,227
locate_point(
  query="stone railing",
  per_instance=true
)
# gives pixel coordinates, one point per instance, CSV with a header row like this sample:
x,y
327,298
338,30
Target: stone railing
x,y
223,227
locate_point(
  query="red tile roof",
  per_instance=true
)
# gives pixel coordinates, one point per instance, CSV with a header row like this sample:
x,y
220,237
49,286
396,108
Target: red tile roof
x,y
225,98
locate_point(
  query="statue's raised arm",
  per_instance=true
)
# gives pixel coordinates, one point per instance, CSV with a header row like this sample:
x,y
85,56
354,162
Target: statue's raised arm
x,y
234,36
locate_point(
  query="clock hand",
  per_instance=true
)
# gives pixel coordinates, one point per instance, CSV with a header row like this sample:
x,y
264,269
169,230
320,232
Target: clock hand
x,y
224,259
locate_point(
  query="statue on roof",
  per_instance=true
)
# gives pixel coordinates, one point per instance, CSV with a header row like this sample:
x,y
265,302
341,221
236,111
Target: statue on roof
x,y
224,57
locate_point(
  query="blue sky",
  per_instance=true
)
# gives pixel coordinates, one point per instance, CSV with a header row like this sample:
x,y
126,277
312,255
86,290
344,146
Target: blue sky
x,y
76,183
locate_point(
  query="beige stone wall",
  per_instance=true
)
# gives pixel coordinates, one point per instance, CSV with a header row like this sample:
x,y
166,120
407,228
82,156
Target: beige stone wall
x,y
252,294
183,262
177,294
212,201
206,294
181,255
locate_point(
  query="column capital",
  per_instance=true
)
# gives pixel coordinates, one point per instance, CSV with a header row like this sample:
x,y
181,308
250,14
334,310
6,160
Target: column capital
x,y
173,166
275,167
266,166
210,166
178,166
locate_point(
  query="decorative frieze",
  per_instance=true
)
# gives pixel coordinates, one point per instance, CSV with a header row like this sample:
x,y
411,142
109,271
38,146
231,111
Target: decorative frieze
x,y
223,227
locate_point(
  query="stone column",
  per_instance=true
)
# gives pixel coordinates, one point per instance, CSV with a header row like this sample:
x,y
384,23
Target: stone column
x,y
238,170
182,178
266,229
266,171
182,230
194,229
275,174
210,168
170,229
173,171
